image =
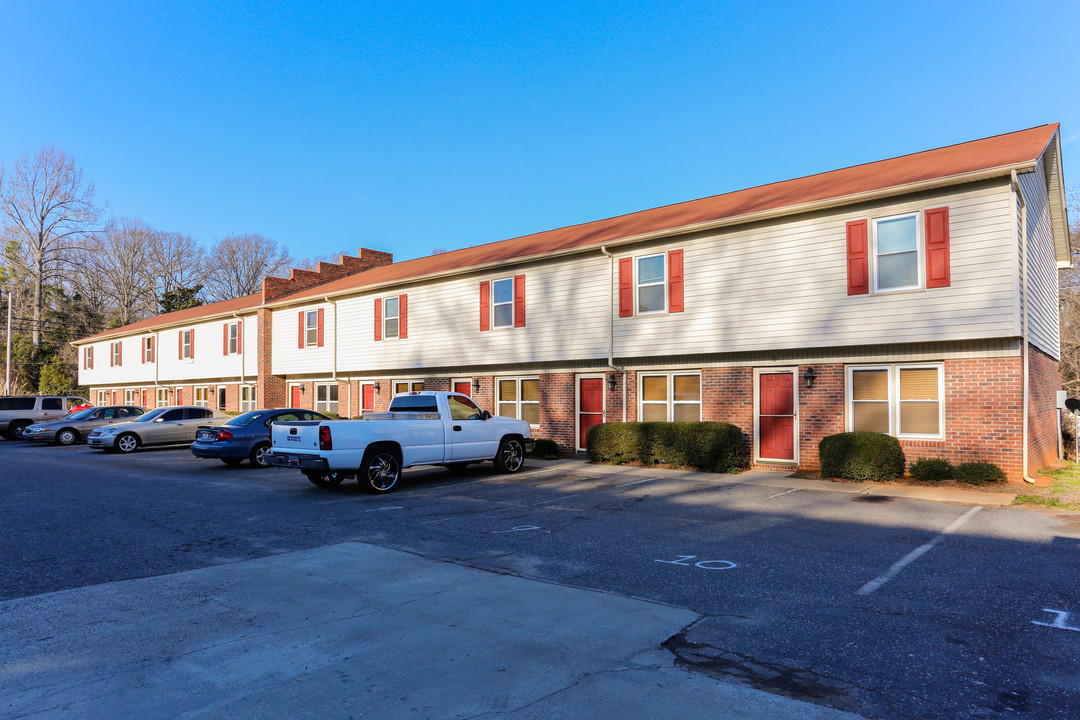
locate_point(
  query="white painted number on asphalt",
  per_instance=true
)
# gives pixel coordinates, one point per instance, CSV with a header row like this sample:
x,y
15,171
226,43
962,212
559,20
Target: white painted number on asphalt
x,y
519,528
703,564
1061,620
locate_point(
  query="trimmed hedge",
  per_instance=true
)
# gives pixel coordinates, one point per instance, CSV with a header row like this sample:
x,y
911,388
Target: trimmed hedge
x,y
861,456
931,469
544,448
709,446
979,473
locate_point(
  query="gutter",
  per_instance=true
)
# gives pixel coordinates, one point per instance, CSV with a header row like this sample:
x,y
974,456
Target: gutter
x,y
611,327
1024,327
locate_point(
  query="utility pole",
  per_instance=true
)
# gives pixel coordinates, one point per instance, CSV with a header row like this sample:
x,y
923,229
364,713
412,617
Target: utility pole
x,y
7,363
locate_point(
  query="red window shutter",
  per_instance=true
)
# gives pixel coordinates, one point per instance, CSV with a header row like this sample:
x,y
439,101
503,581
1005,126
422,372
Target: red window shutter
x,y
937,248
300,326
120,353
112,356
485,306
320,341
675,281
378,319
153,349
180,344
142,351
403,316
192,343
626,287
225,344
858,262
519,301
239,336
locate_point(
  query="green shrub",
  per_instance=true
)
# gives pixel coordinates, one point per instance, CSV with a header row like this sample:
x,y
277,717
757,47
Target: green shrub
x,y
931,469
544,448
709,446
861,456
979,473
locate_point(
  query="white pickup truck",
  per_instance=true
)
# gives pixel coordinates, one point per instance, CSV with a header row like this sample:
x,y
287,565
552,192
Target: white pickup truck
x,y
421,428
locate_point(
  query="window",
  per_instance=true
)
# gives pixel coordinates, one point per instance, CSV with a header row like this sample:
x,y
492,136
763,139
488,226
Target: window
x,y
403,386
232,338
326,398
519,398
390,317
896,253
129,397
115,354
650,284
414,403
197,413
670,397
502,302
103,397
463,408
88,358
148,349
52,403
187,344
311,328
162,397
901,400
202,396
221,395
247,398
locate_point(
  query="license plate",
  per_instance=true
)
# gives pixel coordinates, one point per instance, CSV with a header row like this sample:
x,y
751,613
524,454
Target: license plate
x,y
294,460
205,436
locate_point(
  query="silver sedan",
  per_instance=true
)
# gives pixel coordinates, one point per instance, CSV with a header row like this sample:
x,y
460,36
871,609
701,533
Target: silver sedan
x,y
75,426
161,426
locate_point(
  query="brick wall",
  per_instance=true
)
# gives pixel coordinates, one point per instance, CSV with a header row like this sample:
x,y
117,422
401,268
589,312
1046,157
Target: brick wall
x,y
557,409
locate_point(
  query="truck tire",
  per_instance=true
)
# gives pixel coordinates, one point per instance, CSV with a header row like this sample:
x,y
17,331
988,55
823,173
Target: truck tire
x,y
511,455
380,470
15,429
324,479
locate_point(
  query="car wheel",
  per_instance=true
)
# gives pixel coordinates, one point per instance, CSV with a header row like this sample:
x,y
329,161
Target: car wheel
x,y
258,455
324,479
232,461
67,436
127,443
511,455
16,429
380,470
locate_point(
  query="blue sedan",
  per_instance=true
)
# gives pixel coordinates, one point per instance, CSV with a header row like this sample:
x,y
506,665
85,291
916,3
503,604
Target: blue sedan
x,y
245,436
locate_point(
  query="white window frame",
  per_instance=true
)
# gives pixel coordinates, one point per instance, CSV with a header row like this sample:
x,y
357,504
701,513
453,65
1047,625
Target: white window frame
x,y
920,262
670,402
311,328
186,336
114,350
148,349
200,396
386,318
410,386
161,397
247,403
893,383
518,402
324,406
129,396
663,284
509,303
234,338
103,397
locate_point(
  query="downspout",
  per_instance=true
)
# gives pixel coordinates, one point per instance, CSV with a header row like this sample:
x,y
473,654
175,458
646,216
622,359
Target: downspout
x,y
611,326
1026,301
333,356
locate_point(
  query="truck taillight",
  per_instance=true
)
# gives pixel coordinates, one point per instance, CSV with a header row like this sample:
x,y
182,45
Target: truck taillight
x,y
325,443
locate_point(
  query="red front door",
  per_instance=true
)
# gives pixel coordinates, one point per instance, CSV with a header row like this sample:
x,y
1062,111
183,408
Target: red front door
x,y
295,399
590,406
776,416
367,399
465,388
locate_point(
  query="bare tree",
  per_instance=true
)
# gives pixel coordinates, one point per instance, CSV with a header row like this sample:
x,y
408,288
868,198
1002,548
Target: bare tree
x,y
175,262
1069,285
238,263
46,208
117,260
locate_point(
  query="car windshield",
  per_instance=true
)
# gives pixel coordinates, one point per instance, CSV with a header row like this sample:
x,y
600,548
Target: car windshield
x,y
151,416
246,419
79,414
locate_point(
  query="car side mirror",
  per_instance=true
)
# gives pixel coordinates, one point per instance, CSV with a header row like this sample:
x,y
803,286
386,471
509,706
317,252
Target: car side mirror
x,y
160,419
485,415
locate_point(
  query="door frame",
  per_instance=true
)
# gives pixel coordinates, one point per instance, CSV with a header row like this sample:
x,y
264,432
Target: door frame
x,y
793,370
578,377
455,381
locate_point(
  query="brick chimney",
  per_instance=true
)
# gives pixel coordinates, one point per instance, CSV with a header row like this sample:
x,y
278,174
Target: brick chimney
x,y
276,288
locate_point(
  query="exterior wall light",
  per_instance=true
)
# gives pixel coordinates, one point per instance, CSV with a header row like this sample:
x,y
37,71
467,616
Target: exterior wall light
x,y
378,388
476,384
810,374
611,382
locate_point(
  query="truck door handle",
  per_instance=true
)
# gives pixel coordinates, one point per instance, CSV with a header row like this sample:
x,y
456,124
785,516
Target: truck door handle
x,y
457,428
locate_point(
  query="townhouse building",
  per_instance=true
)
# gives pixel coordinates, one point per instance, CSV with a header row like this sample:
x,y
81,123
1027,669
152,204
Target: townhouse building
x,y
915,296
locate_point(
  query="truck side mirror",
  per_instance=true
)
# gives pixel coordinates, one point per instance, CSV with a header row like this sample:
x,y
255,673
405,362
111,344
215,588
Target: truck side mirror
x,y
485,415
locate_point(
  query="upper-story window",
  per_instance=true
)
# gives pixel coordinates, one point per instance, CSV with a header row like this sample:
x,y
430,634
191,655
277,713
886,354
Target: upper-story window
x,y
148,349
187,344
232,338
391,317
899,252
896,253
311,328
502,303
116,354
88,358
651,284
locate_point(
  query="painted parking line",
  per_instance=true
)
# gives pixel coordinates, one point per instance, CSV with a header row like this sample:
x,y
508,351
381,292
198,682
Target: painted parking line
x,y
637,482
916,553
786,492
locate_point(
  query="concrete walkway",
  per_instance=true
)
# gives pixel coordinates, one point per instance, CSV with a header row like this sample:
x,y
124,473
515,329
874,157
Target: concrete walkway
x,y
783,479
352,631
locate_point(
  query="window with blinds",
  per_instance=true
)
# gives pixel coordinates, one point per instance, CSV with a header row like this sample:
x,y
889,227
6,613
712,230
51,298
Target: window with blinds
x,y
901,400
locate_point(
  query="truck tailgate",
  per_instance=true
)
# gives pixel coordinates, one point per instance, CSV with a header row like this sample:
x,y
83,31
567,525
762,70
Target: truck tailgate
x,y
296,436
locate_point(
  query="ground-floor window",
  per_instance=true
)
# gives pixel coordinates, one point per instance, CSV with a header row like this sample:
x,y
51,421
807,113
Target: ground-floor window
x,y
129,397
326,398
247,398
901,400
669,397
202,396
162,397
103,397
401,386
519,398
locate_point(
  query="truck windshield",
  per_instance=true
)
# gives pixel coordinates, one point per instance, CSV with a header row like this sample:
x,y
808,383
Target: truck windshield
x,y
414,403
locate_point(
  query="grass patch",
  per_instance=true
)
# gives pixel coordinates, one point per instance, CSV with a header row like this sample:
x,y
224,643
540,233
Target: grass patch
x,y
1063,493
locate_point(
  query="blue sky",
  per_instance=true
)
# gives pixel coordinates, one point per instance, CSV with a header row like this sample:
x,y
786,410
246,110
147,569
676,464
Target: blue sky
x,y
404,128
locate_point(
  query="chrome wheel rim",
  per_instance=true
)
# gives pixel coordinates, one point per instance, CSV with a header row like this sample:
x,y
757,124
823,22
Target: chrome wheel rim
x,y
66,437
260,455
127,443
512,455
382,471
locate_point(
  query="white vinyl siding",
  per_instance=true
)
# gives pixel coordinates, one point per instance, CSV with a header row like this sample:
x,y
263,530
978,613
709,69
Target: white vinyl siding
x,y
1043,312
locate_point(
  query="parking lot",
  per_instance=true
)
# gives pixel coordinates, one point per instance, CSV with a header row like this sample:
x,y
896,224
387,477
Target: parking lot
x,y
883,607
